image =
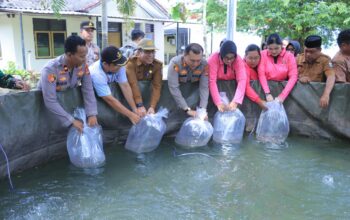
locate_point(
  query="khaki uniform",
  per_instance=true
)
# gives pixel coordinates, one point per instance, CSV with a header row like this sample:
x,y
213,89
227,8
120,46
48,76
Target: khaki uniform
x,y
93,53
55,77
137,71
179,72
317,71
341,64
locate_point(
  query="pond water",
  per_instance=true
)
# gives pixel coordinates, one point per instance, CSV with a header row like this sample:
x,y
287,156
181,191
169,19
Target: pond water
x,y
305,179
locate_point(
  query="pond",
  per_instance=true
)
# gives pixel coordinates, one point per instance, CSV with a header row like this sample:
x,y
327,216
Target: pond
x,y
304,179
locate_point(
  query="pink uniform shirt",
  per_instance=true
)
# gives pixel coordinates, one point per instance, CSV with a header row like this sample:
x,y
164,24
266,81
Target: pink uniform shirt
x,y
285,68
250,92
235,71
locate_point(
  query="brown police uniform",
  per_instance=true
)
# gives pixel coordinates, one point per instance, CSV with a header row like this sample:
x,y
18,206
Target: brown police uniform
x,y
137,71
341,64
56,77
316,71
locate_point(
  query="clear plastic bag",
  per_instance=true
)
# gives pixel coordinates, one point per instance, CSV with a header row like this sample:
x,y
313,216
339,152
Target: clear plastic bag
x,y
229,125
195,131
85,150
147,134
273,125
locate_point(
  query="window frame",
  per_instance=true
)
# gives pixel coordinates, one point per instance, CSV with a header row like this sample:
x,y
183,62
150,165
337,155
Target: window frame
x,y
52,42
51,34
36,45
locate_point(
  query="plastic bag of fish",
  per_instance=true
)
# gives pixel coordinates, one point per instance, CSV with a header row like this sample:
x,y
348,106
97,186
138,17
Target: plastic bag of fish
x,y
195,131
85,150
146,135
228,125
273,125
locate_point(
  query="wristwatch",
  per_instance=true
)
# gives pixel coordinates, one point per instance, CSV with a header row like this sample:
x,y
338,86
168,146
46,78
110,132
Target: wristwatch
x,y
187,109
140,104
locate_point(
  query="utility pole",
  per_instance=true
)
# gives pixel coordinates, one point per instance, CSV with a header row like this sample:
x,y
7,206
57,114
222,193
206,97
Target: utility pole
x,y
231,18
104,24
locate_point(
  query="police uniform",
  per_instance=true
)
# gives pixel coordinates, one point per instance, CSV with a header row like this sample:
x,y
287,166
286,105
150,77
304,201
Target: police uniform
x,y
56,77
93,53
316,71
136,70
321,68
179,73
341,64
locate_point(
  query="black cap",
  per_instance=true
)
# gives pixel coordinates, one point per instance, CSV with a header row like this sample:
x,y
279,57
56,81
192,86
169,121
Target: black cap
x,y
87,25
313,41
113,55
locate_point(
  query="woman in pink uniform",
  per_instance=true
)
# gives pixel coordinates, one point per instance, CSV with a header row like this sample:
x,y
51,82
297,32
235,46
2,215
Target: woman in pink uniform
x,y
252,60
278,65
227,65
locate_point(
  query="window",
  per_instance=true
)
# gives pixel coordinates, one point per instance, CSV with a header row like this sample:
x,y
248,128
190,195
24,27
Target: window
x,y
149,31
49,35
114,34
137,26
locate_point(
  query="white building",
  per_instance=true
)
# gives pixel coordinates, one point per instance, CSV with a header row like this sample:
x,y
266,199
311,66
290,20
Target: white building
x,y
31,34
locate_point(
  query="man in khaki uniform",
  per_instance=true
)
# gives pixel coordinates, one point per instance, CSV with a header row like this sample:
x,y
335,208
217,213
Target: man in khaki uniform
x,y
189,68
145,67
69,71
314,66
87,30
341,60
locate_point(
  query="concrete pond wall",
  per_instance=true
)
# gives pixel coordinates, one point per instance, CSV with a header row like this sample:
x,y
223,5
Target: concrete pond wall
x,y
31,135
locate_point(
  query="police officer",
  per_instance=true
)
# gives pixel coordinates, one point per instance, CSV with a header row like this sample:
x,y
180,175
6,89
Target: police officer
x,y
87,30
145,67
314,66
69,71
111,69
190,67
341,60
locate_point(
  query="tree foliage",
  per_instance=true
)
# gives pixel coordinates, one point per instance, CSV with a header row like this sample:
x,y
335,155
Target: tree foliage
x,y
126,7
179,12
216,14
292,18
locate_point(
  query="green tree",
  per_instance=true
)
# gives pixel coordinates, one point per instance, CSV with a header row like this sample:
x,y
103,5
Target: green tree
x,y
292,18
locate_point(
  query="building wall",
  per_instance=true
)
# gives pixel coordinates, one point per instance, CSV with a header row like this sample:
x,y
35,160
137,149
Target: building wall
x,y
10,42
72,26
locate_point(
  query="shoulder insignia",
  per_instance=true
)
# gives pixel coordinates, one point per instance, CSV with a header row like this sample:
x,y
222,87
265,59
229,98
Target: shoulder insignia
x,y
183,72
176,67
87,71
81,73
62,79
197,72
51,78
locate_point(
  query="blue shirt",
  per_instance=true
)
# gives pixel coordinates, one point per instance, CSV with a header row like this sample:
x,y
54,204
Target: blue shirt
x,y
101,79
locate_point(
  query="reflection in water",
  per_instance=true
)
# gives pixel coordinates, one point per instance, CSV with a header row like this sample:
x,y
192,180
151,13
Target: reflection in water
x,y
306,180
